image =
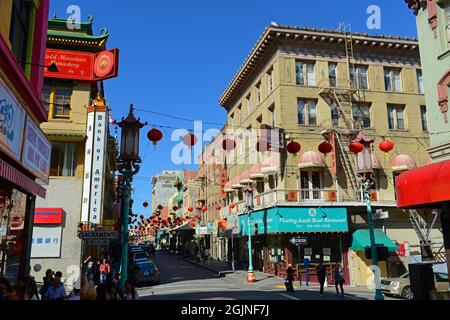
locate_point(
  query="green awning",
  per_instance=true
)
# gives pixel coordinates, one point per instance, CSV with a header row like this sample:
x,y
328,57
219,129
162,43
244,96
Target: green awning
x,y
361,240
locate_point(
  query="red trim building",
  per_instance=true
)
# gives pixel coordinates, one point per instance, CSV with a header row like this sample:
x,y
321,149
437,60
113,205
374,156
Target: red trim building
x,y
24,150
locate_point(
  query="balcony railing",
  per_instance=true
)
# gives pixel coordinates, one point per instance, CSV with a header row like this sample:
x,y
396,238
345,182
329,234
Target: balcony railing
x,y
305,196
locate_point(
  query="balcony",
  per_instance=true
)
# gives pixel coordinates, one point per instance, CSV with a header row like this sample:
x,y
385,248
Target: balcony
x,y
309,197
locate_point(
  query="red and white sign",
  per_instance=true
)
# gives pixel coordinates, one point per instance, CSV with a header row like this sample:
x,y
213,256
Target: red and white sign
x,y
83,66
403,249
48,216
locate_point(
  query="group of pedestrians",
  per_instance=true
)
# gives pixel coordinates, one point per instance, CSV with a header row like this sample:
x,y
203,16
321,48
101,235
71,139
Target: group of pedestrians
x,y
24,289
338,277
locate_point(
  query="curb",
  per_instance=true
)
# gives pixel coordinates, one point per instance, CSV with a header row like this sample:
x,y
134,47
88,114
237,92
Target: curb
x,y
218,273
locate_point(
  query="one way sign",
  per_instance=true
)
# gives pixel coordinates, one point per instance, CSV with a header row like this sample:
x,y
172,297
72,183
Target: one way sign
x,y
299,241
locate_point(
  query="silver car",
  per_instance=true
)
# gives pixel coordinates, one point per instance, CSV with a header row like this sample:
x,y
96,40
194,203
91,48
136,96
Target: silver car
x,y
401,286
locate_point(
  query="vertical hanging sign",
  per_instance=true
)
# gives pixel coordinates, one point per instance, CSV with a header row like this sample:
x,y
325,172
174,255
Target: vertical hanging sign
x,y
87,168
98,166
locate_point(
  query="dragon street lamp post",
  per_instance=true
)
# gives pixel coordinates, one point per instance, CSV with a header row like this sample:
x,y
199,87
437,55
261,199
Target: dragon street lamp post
x,y
248,192
128,161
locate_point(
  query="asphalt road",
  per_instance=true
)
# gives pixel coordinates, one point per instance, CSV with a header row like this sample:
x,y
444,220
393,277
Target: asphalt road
x,y
181,280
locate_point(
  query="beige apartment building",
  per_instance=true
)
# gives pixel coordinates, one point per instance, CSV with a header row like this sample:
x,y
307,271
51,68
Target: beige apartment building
x,y
309,83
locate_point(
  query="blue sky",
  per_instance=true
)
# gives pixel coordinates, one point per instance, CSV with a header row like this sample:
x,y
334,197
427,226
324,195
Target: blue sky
x,y
177,57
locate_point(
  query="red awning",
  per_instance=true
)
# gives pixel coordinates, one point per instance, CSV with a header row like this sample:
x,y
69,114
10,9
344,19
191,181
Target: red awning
x,y
13,175
424,185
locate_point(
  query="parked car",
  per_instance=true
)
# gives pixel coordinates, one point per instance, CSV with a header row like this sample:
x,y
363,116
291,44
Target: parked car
x,y
144,272
401,286
140,256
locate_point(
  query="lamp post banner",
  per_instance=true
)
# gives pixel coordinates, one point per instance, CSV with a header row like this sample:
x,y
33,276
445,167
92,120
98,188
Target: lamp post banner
x,y
87,167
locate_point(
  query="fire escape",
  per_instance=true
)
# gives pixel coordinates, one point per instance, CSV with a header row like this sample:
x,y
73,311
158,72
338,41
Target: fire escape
x,y
341,95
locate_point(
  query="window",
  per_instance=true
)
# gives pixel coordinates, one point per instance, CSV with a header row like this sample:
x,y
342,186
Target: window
x,y
306,112
310,183
396,119
423,117
46,98
63,103
272,115
334,115
240,115
305,73
361,115
332,74
249,105
64,159
258,94
269,82
20,30
392,79
420,81
358,77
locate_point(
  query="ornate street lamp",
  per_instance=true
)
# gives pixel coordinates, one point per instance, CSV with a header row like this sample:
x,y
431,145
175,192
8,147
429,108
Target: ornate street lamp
x,y
364,164
128,166
248,196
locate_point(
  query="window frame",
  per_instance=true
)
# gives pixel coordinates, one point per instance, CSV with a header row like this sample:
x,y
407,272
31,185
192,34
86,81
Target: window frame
x,y
423,117
270,81
64,152
392,79
361,105
52,103
356,71
395,116
22,18
306,111
420,87
311,190
330,76
304,73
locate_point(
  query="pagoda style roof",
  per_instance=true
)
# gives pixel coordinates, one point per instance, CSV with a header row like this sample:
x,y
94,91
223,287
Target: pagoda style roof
x,y
61,35
274,33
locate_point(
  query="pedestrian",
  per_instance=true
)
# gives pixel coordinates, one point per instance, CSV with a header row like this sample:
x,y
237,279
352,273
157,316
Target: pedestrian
x,y
97,265
47,280
130,291
339,279
5,288
88,291
102,293
89,262
290,279
321,276
205,255
17,293
56,291
105,268
31,291
76,295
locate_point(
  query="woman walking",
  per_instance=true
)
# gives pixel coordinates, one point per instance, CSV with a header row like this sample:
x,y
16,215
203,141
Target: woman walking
x,y
339,280
321,276
290,279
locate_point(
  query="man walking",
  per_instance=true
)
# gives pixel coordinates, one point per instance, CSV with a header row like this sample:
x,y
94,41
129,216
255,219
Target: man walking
x,y
321,276
105,268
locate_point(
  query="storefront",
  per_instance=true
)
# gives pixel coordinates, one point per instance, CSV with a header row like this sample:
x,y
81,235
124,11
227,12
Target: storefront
x,y
272,229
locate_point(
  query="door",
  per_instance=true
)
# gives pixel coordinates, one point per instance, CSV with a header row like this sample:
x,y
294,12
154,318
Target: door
x,y
310,182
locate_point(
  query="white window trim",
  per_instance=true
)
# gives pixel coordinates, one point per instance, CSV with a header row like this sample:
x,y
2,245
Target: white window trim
x,y
394,116
392,76
305,73
306,105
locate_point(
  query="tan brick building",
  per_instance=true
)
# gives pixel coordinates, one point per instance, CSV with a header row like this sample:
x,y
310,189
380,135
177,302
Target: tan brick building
x,y
286,82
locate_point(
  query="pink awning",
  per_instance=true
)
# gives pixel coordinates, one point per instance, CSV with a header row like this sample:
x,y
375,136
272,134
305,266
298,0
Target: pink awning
x,y
403,162
236,182
255,172
311,159
270,165
245,177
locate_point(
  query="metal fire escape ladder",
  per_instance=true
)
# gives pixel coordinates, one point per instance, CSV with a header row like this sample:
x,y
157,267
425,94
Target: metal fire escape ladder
x,y
424,234
347,164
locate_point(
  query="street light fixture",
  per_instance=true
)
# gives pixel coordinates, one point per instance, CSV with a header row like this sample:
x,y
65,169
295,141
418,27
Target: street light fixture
x,y
128,161
248,195
51,68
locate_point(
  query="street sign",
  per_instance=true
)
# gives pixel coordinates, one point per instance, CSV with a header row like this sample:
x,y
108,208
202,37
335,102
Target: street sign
x,y
299,241
100,235
380,214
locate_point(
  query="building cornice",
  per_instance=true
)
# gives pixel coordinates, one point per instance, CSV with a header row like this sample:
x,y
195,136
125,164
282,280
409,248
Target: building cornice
x,y
310,35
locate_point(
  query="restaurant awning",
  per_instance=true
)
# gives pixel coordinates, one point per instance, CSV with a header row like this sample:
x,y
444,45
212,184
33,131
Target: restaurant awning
x,y
424,185
184,227
361,240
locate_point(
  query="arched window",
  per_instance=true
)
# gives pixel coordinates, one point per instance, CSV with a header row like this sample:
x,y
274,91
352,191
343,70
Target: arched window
x,y
443,88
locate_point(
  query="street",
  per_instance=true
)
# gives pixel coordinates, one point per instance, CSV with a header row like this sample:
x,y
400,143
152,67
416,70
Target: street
x,y
182,280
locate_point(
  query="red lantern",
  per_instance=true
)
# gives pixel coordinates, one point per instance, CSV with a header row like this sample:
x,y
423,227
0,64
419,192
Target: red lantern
x,y
325,147
145,204
232,206
197,216
386,146
174,208
190,140
228,144
154,136
356,147
204,209
294,147
218,207
190,209
160,207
